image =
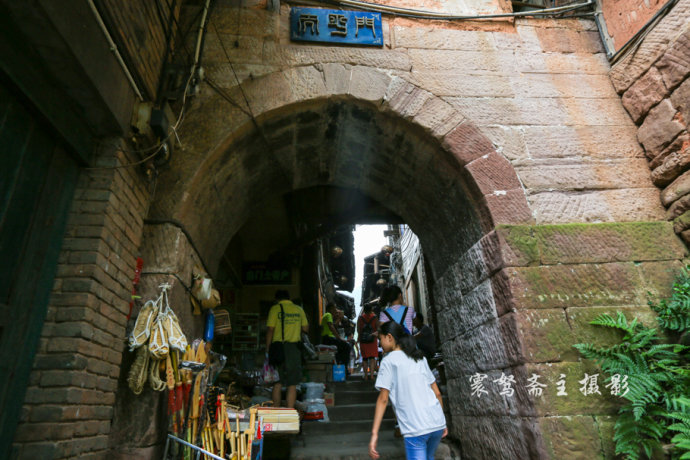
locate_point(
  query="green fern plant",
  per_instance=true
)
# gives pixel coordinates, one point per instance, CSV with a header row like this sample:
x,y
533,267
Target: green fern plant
x,y
680,415
657,412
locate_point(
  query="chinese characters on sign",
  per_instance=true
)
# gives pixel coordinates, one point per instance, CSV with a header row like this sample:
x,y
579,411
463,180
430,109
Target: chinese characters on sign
x,y
336,26
589,385
261,273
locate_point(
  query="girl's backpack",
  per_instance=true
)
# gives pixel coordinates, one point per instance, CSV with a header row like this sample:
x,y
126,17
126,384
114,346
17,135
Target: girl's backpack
x,y
367,334
401,320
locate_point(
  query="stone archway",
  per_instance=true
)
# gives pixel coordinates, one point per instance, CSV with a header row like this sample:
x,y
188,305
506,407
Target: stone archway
x,y
360,128
512,297
218,128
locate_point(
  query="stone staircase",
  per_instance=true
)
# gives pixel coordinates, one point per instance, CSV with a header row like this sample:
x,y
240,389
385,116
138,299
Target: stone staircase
x,y
347,434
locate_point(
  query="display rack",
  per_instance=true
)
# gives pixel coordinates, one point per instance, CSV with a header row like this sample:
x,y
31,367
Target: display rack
x,y
246,329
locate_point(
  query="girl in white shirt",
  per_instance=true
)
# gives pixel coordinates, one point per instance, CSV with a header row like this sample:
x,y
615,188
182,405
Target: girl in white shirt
x,y
405,378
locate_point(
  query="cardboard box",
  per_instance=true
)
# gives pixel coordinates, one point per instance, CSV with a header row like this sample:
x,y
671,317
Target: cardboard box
x,y
318,372
329,399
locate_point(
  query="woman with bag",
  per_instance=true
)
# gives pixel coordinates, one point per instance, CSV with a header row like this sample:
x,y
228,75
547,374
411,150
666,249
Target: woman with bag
x,y
396,312
405,378
368,341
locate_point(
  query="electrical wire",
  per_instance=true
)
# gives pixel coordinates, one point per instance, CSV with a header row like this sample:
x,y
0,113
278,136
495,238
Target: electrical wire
x,y
216,87
258,128
232,67
180,118
384,9
633,44
421,14
136,163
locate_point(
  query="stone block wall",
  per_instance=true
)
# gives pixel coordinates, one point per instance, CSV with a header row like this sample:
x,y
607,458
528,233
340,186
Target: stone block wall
x,y
479,333
69,404
561,150
538,89
517,302
140,423
655,87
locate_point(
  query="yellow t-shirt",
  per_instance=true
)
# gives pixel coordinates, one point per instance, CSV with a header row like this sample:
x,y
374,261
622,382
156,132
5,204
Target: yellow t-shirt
x,y
294,320
325,329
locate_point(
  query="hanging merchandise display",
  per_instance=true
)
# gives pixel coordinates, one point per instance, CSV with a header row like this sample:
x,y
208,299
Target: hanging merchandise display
x,y
203,294
223,324
158,343
210,326
142,327
158,322
210,409
156,333
213,417
176,338
138,374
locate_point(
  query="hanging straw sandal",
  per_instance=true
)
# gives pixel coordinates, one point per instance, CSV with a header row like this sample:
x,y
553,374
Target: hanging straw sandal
x,y
138,373
171,325
142,328
158,325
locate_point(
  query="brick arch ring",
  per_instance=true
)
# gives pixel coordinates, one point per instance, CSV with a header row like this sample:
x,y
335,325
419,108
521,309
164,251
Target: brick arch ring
x,y
489,175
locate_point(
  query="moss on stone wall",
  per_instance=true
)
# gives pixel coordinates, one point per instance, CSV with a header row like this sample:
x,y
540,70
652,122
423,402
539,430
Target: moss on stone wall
x,y
594,243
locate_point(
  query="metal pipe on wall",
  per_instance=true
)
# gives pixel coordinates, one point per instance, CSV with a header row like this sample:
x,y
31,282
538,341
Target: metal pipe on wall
x,y
116,52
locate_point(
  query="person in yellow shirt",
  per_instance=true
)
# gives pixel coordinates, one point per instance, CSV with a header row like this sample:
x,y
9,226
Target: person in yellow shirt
x,y
290,316
330,335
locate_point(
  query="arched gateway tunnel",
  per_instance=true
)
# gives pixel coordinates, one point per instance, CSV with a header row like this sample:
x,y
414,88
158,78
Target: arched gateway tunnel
x,y
503,144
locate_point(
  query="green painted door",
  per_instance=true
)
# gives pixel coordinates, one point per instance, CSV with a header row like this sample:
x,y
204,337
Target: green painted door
x,y
37,181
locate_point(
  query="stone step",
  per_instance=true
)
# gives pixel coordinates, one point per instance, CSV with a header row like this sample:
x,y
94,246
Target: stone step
x,y
354,385
355,446
347,412
356,397
346,446
317,428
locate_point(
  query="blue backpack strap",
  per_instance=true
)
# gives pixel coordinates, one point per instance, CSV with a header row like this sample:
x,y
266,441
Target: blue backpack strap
x,y
400,320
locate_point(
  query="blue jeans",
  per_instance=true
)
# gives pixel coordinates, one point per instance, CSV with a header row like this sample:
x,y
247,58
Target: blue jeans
x,y
423,447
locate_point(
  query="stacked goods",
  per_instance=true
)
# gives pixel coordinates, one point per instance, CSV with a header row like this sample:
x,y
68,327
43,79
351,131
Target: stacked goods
x,y
326,353
227,437
279,419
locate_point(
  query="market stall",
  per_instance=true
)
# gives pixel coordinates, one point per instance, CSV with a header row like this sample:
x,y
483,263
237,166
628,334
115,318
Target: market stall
x,y
217,386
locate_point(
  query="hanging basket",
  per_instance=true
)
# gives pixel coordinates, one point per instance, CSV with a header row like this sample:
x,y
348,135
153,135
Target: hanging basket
x,y
223,325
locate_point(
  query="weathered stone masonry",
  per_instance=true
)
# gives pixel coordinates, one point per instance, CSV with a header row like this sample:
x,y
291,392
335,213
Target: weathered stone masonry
x,y
531,295
655,89
503,145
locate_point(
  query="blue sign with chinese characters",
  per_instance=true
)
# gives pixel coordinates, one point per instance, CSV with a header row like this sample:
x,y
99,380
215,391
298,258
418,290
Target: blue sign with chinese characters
x,y
336,26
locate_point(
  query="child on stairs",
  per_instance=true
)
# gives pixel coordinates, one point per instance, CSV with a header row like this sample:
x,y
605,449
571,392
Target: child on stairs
x,y
405,378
